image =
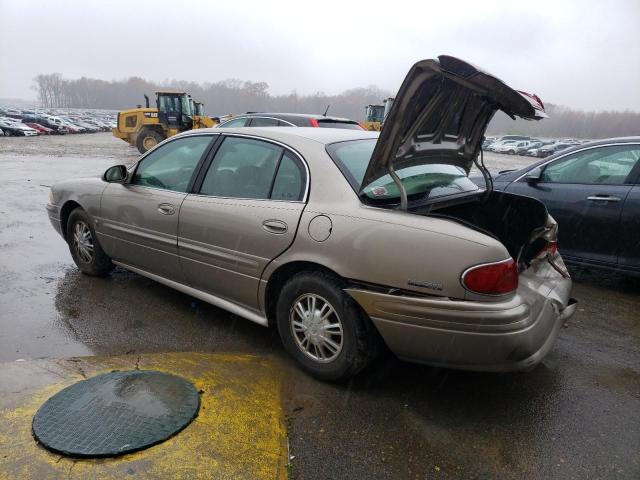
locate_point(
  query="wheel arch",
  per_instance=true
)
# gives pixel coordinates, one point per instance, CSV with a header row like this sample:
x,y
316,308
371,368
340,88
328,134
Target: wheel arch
x,y
68,207
280,276
155,127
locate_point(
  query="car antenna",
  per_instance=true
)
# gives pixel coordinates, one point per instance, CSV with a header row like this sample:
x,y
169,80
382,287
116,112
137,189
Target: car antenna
x,y
325,112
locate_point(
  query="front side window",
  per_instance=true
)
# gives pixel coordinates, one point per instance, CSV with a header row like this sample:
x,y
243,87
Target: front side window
x,y
421,182
602,165
171,166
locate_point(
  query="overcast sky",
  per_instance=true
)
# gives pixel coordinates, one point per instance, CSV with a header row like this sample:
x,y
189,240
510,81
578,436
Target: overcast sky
x,y
583,54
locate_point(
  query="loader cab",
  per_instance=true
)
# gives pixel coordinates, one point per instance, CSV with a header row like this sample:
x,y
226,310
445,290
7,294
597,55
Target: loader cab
x,y
374,113
199,109
175,109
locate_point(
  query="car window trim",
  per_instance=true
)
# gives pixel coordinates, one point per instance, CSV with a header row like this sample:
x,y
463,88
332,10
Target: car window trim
x,y
250,117
275,173
284,146
196,170
237,117
544,164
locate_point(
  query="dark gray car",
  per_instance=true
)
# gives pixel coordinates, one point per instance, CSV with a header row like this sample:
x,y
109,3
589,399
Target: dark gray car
x,y
593,192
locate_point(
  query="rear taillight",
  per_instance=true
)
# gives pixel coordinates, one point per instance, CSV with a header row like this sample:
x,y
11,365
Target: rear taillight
x,y
314,122
492,278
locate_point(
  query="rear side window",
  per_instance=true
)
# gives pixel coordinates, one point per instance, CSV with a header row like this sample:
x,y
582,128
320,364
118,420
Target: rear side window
x,y
250,168
264,122
289,181
242,168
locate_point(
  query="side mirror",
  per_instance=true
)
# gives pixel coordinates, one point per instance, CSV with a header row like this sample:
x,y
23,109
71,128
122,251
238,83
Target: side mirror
x,y
534,176
115,174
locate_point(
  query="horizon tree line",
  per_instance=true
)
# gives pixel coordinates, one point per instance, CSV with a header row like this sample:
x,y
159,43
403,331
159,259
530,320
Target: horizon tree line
x,y
238,96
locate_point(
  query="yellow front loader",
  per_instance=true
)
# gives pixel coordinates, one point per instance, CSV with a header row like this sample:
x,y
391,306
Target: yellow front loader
x,y
175,112
376,114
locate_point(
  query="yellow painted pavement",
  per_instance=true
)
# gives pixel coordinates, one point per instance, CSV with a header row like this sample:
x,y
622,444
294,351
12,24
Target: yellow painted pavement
x,y
239,432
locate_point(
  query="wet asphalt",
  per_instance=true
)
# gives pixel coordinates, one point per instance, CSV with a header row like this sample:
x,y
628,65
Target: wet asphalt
x,y
575,416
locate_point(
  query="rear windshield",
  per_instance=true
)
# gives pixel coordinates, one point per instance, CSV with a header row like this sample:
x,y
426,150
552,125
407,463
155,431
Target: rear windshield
x,y
338,124
422,182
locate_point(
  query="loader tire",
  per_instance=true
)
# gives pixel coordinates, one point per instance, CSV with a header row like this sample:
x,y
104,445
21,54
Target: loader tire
x,y
147,139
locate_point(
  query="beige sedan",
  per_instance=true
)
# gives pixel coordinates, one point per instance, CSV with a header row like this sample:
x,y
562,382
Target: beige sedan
x,y
341,239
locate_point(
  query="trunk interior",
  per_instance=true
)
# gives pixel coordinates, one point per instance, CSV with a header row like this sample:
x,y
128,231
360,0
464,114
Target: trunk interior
x,y
511,219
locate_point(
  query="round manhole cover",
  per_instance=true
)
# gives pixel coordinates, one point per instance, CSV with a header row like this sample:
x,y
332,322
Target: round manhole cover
x,y
116,413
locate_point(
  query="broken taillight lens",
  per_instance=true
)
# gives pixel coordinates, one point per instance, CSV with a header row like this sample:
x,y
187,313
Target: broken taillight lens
x,y
492,278
549,250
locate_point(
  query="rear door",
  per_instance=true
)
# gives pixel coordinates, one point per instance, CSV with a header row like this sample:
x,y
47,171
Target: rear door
x,y
585,191
245,213
138,222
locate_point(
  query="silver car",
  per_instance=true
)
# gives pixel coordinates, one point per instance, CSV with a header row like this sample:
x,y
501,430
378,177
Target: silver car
x,y
341,239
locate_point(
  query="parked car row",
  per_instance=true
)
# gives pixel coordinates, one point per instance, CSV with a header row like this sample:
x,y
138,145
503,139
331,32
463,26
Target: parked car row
x,y
529,146
15,122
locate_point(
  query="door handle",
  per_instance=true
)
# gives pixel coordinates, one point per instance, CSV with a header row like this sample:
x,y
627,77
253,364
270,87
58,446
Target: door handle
x,y
274,226
166,209
603,198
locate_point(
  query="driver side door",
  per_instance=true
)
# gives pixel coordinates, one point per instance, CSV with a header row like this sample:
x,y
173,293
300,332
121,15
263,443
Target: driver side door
x,y
138,221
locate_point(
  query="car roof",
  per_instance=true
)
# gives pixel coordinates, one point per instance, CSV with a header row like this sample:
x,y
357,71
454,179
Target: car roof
x,y
292,115
320,135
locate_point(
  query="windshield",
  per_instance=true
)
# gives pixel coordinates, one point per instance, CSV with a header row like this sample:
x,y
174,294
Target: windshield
x,y
422,182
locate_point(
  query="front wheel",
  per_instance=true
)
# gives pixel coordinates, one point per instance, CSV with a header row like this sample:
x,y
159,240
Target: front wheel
x,y
323,328
147,139
84,247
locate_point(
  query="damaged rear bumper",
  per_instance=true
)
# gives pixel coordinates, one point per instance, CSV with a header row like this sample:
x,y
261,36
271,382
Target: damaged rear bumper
x,y
507,335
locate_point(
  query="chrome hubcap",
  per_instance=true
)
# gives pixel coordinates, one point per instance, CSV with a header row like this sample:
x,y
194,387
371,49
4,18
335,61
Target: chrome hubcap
x,y
83,241
316,328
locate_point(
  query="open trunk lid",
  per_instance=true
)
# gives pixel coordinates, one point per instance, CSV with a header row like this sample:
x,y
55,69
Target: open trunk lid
x,y
440,115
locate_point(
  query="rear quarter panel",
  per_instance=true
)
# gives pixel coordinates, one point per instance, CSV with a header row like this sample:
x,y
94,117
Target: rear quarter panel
x,y
381,246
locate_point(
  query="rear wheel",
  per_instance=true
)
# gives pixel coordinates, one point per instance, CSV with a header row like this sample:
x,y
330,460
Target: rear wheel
x,y
147,139
84,247
7,133
323,328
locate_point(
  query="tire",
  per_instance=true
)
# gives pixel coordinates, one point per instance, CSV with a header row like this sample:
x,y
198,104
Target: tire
x,y
358,342
511,152
91,261
7,133
147,139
